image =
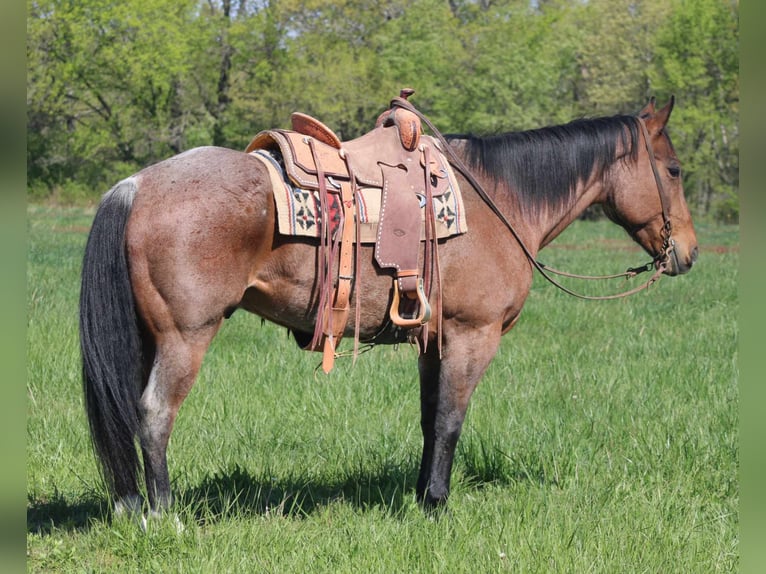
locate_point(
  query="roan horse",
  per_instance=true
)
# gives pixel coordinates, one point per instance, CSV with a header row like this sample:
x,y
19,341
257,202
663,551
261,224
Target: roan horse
x,y
179,246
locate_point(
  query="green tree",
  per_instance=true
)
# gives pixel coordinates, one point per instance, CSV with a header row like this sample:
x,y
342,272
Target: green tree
x,y
514,76
104,86
258,38
697,59
616,40
424,57
236,54
113,86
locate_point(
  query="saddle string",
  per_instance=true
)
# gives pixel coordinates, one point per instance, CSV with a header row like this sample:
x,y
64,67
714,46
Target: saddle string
x,y
327,251
431,269
317,338
659,262
357,259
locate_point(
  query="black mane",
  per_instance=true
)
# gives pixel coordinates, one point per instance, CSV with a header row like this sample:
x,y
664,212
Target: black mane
x,y
543,166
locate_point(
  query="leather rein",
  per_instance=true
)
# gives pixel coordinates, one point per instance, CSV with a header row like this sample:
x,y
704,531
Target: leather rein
x,y
660,262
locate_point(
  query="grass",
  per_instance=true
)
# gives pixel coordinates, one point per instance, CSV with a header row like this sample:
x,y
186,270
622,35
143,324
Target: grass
x,y
602,439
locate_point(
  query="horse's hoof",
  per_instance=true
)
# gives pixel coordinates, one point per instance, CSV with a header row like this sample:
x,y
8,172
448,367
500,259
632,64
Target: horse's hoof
x,y
133,506
128,506
433,507
155,515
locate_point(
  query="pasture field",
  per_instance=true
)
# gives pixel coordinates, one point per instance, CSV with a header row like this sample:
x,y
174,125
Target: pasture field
x,y
603,438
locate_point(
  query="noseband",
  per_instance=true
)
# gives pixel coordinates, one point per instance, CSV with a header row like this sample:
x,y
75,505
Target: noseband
x,y
660,261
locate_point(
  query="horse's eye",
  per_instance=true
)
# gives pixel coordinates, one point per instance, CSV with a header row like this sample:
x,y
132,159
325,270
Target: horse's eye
x,y
674,171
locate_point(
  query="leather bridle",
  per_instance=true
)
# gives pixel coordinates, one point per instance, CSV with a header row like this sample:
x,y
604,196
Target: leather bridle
x,y
660,261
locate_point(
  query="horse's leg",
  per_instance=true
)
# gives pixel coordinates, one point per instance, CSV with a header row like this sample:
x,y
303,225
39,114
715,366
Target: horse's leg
x,y
177,361
446,385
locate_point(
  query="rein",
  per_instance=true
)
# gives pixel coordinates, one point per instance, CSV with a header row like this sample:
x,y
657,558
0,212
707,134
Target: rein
x,y
659,262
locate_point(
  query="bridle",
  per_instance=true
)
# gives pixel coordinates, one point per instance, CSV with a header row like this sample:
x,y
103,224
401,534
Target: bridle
x,y
659,262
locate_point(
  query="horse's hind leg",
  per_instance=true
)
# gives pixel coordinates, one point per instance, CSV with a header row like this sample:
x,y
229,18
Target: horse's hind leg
x,y
177,360
446,385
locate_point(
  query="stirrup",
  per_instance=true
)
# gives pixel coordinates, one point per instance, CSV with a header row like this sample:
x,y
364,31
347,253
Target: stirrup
x,y
425,308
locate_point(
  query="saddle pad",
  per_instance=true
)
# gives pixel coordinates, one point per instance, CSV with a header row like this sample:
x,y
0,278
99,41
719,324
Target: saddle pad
x,y
299,212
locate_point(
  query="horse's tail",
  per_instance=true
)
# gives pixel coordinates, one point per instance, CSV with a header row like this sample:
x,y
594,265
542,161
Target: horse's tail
x,y
110,343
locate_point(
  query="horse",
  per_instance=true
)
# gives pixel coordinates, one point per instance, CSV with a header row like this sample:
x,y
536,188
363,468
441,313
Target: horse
x,y
177,247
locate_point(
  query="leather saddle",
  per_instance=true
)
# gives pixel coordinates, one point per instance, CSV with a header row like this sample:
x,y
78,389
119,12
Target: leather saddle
x,y
408,168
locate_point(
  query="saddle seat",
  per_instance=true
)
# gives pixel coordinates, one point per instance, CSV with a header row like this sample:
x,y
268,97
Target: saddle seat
x,y
361,156
407,124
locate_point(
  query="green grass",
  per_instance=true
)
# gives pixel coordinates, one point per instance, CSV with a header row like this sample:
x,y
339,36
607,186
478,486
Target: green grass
x,y
602,439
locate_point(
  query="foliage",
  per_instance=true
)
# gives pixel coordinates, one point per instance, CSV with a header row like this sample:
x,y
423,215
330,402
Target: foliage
x,y
105,86
697,55
113,86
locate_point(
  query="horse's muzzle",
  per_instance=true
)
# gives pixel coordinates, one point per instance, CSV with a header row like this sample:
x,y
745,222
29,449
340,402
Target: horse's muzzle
x,y
677,265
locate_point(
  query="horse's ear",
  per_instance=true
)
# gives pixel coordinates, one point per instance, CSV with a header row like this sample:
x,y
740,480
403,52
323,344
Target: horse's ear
x,y
647,110
657,121
663,115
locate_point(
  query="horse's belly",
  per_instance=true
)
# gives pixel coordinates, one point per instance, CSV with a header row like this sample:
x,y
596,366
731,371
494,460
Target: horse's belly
x,y
289,297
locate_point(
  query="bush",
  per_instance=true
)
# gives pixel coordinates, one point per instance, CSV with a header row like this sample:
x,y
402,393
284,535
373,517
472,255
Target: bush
x,y
727,210
70,192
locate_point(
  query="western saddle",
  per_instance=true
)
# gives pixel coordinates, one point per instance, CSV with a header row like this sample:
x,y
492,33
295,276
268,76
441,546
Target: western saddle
x,y
408,168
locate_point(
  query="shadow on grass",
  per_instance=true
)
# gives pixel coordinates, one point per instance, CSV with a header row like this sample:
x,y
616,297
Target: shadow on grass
x,y
239,493
57,513
485,464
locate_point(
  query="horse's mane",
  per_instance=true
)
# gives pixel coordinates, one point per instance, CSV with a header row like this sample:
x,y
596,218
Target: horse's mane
x,y
543,166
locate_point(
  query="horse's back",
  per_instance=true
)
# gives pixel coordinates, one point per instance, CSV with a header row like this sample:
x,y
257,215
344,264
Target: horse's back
x,y
200,174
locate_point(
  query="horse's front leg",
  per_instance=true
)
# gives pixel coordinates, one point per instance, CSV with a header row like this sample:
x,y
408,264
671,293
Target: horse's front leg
x,y
446,385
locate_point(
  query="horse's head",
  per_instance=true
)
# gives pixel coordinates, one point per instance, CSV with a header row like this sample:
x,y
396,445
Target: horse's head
x,y
648,197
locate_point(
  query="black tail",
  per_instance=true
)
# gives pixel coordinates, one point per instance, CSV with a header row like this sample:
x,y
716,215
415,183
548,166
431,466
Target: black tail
x,y
110,343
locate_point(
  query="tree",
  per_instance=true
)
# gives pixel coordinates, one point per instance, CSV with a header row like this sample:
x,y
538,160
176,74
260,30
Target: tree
x,y
113,86
513,76
697,59
615,54
104,85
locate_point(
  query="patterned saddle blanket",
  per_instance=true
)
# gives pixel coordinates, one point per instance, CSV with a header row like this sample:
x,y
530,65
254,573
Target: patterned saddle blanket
x,y
299,210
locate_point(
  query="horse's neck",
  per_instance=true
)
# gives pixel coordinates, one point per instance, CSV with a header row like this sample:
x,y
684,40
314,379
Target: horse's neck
x,y
538,226
554,222
538,230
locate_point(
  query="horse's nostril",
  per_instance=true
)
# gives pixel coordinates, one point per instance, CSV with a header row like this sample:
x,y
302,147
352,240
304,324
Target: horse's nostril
x,y
694,254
